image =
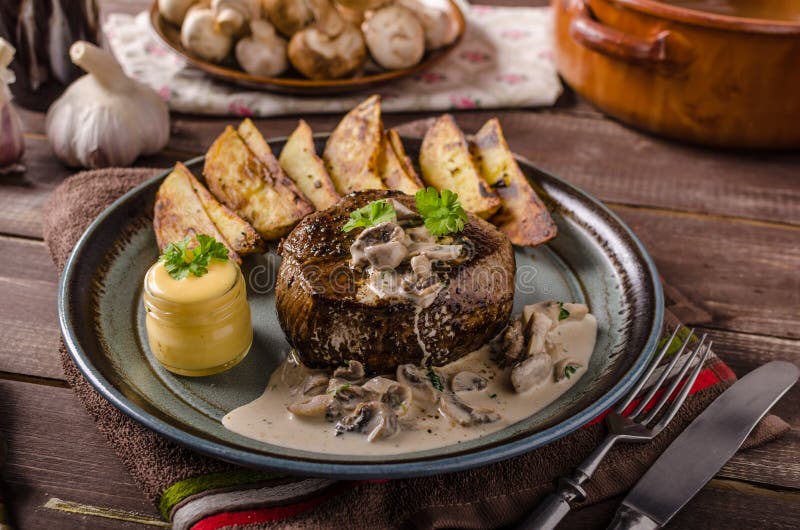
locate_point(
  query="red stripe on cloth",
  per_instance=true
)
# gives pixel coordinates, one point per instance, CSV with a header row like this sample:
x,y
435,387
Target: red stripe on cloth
x,y
706,378
264,515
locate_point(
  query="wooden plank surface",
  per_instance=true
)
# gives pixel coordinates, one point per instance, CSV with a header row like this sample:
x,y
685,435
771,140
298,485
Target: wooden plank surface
x,y
722,227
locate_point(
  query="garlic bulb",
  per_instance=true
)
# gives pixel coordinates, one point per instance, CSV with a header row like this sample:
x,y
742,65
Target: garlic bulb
x,y
105,118
12,143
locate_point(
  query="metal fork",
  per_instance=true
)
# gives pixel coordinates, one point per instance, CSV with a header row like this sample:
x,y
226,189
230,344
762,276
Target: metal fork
x,y
626,427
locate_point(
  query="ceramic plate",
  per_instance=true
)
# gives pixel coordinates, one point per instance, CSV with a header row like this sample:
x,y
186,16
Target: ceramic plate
x,y
292,82
595,259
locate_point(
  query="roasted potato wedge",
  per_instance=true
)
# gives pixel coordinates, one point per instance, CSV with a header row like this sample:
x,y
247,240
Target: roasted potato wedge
x,y
300,161
393,171
254,139
446,162
258,145
396,143
244,183
523,217
354,148
242,237
179,212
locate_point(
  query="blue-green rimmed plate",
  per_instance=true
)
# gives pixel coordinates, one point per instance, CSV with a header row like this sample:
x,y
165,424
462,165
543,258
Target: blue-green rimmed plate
x,y
595,259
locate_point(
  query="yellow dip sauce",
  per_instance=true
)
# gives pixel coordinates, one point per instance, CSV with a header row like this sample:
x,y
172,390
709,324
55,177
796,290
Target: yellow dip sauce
x,y
199,325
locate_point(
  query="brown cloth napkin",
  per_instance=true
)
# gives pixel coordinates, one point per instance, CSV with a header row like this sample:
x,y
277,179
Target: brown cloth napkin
x,y
492,496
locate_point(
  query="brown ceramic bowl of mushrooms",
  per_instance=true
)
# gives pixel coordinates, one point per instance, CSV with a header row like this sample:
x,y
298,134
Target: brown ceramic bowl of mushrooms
x,y
309,47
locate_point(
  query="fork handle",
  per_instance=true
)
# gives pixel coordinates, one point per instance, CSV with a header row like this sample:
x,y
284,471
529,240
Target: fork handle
x,y
554,507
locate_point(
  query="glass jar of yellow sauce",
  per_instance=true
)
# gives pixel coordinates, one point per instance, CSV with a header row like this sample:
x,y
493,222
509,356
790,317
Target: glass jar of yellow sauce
x,y
198,325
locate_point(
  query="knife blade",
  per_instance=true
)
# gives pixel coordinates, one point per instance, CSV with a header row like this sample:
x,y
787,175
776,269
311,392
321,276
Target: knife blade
x,y
703,448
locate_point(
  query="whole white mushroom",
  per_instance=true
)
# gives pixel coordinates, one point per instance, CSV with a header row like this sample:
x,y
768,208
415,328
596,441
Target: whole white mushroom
x,y
395,37
232,16
438,20
201,35
174,11
264,52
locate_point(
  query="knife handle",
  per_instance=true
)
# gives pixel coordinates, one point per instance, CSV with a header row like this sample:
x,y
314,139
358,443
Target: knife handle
x,y
629,519
554,507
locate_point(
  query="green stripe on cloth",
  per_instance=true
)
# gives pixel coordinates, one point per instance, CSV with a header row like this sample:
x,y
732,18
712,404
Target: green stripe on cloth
x,y
192,486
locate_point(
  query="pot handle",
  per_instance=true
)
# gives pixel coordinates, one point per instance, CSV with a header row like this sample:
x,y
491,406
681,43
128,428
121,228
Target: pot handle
x,y
652,52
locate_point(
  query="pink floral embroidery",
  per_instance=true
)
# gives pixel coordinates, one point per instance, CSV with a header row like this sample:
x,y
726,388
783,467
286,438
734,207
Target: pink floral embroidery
x,y
431,77
463,103
514,34
512,79
474,56
239,109
546,54
154,49
165,93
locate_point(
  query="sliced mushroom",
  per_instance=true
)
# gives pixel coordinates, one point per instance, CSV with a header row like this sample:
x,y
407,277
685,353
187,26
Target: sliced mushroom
x,y
536,331
531,372
373,418
442,252
398,397
417,380
549,308
403,212
455,409
565,368
315,406
419,235
314,385
380,246
351,395
508,347
576,311
553,347
353,372
467,382
421,266
378,384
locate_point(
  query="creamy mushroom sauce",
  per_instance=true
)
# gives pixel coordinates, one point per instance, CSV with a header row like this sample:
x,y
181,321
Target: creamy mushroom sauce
x,y
539,355
420,425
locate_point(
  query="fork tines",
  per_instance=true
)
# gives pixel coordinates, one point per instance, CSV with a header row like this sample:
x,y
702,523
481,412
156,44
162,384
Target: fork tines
x,y
695,358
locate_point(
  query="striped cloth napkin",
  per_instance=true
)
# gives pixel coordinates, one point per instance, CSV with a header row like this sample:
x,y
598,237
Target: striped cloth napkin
x,y
194,492
504,61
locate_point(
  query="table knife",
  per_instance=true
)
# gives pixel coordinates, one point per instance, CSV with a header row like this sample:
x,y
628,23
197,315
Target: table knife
x,y
703,448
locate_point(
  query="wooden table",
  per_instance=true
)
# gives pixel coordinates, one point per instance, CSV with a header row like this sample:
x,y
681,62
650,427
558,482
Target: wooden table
x,y
723,227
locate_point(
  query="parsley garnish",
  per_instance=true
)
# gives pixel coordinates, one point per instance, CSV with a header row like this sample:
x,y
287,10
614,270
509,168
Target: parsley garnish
x,y
436,381
372,214
563,314
341,388
441,211
180,260
569,370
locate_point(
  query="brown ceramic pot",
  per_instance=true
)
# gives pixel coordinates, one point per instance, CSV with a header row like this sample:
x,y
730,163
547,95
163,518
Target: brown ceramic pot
x,y
693,75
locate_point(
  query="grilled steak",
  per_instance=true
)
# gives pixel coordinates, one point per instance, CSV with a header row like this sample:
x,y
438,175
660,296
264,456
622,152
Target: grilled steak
x,y
328,321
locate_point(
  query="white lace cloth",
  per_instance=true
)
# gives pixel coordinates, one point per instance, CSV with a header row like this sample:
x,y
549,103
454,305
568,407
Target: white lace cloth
x,y
504,61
